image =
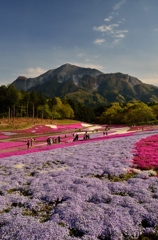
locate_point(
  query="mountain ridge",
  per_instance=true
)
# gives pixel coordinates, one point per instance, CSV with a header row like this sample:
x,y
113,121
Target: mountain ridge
x,y
64,70
91,86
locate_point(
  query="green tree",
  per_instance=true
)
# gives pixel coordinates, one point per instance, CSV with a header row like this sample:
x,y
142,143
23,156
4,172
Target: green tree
x,y
81,112
138,113
112,114
3,101
52,102
45,111
33,101
66,111
155,110
42,107
12,101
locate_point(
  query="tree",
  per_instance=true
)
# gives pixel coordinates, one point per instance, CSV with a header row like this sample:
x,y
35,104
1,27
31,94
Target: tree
x,y
25,102
155,110
112,114
3,101
11,101
45,111
52,102
137,113
66,111
42,106
82,112
34,99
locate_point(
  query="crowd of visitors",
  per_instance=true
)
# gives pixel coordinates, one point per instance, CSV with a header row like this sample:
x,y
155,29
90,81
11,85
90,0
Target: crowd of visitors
x,y
51,140
30,142
85,137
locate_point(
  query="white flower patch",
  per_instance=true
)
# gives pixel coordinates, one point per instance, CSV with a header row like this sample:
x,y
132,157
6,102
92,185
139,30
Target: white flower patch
x,y
20,165
51,126
9,133
86,125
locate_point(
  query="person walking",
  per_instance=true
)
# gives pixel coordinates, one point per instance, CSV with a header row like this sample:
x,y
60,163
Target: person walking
x,y
28,144
31,142
48,141
58,139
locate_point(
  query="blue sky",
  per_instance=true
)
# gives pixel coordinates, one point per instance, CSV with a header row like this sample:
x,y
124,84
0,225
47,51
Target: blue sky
x,y
110,35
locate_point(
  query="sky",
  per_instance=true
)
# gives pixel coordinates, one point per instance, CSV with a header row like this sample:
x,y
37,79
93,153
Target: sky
x,y
109,35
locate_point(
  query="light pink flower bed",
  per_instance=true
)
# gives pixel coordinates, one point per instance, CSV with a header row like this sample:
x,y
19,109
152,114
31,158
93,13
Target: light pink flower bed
x,y
40,129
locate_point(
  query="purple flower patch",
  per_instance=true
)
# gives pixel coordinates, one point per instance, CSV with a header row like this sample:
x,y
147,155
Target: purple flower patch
x,y
84,191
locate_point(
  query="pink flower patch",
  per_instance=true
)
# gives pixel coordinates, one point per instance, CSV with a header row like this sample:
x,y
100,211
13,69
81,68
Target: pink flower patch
x,y
146,154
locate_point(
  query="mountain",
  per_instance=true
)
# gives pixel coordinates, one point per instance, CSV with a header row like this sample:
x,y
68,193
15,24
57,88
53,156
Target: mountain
x,y
88,86
63,73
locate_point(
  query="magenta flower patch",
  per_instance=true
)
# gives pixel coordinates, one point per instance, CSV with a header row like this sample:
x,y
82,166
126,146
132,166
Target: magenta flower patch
x,y
7,145
146,154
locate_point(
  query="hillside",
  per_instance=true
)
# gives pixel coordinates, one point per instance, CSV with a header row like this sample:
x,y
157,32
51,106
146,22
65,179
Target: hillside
x,y
88,86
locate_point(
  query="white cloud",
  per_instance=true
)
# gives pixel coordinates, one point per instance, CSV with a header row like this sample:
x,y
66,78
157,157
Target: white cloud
x,y
99,67
106,28
119,4
150,80
80,55
108,19
99,41
122,31
34,72
116,41
112,31
89,65
121,35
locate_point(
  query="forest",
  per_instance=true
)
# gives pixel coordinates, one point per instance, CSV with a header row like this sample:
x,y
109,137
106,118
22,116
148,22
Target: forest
x,y
15,103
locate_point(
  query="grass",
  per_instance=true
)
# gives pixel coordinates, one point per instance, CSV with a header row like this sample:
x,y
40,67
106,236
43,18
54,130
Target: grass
x,y
23,123
120,178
